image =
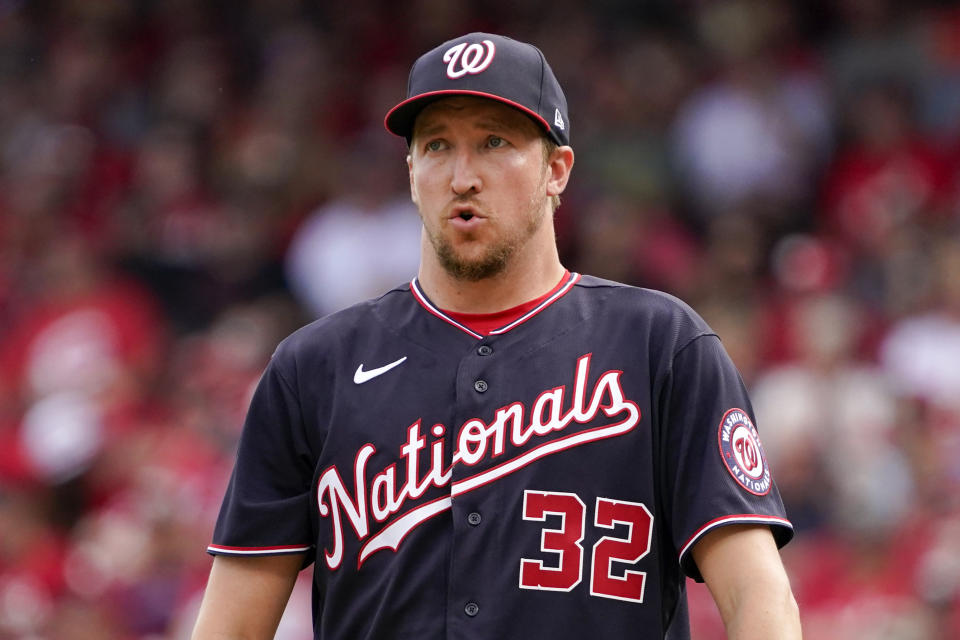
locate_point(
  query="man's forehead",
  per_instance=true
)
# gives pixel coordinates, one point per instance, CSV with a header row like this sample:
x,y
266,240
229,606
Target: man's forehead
x,y
478,111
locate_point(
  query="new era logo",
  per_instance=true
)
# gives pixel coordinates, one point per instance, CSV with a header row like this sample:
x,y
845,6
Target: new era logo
x,y
557,119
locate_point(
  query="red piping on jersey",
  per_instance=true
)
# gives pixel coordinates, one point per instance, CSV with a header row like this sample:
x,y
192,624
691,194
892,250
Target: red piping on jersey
x,y
426,304
422,299
257,550
745,518
574,277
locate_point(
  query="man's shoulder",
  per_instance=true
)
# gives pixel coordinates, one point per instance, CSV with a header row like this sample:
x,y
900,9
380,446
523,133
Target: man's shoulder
x,y
328,333
635,302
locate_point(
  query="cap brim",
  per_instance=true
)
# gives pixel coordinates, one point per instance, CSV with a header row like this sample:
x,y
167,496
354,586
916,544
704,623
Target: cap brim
x,y
401,118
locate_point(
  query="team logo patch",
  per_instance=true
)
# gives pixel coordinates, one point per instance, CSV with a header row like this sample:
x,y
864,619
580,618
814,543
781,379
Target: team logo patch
x,y
462,58
741,452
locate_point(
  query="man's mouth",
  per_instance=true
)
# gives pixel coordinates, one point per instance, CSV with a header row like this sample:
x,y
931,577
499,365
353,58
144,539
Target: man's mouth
x,y
464,213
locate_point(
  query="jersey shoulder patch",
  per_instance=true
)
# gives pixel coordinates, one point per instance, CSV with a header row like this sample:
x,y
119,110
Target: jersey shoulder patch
x,y
742,453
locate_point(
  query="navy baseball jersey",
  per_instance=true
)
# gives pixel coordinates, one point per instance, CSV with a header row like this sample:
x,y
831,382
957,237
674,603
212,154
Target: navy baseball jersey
x,y
547,480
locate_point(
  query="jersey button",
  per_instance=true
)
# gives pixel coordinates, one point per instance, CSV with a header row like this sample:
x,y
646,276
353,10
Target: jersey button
x,y
474,518
484,350
480,386
471,609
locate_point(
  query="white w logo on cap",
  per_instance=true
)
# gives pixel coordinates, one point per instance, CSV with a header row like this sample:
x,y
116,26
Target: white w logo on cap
x,y
471,59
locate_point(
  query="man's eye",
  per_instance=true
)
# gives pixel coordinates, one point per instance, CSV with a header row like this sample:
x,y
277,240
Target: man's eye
x,y
434,145
496,141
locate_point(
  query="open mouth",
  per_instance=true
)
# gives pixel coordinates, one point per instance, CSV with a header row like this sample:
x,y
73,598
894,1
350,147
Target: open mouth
x,y
465,213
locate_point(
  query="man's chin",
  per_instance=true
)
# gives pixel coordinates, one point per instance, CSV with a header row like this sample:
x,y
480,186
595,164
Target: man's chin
x,y
473,269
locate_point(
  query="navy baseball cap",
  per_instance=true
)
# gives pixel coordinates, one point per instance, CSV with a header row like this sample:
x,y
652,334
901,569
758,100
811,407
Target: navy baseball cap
x,y
489,66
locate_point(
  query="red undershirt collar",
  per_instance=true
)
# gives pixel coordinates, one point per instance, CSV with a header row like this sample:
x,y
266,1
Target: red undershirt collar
x,y
484,323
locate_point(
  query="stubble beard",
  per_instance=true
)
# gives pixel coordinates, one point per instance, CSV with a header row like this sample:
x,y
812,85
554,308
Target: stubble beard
x,y
495,259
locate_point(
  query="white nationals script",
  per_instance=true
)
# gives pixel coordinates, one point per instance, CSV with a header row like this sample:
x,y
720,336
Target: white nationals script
x,y
477,441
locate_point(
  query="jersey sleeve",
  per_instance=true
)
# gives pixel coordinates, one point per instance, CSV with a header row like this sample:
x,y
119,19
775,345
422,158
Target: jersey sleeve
x,y
716,472
266,509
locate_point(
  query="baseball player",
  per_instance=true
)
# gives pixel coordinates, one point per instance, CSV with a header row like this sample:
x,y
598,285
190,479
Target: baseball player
x,y
499,448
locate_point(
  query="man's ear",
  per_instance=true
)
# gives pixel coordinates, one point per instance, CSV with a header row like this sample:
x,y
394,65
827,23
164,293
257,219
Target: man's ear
x,y
559,165
413,190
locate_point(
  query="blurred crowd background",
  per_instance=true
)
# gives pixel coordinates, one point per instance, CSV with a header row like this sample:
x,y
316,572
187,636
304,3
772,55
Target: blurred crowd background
x,y
183,183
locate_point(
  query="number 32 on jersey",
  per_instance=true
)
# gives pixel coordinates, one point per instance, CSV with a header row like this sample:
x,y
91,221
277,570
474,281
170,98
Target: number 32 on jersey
x,y
608,578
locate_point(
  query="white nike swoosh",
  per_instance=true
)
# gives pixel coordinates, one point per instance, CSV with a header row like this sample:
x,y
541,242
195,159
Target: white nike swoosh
x,y
362,376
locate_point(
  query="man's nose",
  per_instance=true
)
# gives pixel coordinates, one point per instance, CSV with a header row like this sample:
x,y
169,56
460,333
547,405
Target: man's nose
x,y
465,177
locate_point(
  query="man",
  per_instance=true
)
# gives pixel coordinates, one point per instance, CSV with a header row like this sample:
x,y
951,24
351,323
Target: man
x,y
500,448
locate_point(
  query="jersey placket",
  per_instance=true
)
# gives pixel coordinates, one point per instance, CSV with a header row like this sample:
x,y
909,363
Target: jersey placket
x,y
486,381
474,511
